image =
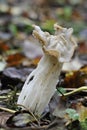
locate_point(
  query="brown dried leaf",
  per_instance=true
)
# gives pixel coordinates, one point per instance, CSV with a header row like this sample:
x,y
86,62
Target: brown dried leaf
x,y
3,47
3,117
82,110
74,79
36,60
15,59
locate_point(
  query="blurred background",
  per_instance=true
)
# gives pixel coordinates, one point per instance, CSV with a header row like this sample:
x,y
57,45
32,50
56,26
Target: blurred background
x,y
20,53
17,17
45,13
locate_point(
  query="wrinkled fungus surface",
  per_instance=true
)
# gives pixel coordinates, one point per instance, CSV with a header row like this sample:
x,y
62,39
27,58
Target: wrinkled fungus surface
x,y
41,83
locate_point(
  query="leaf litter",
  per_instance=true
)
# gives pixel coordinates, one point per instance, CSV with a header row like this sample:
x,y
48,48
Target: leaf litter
x,y
16,62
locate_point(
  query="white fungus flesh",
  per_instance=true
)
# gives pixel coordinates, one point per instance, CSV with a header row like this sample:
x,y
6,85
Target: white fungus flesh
x,y
41,83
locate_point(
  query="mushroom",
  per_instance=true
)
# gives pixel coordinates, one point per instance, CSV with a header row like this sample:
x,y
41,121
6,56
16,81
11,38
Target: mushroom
x,y
41,83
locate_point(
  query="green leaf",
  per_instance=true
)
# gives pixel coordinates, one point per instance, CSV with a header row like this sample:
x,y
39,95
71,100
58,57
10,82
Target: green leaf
x,y
48,26
67,12
28,28
13,29
61,90
72,114
84,125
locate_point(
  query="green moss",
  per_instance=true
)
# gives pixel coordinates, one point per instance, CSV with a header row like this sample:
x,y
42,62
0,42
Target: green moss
x,y
48,26
84,125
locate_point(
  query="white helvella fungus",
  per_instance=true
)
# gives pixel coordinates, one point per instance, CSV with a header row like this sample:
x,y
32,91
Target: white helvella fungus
x,y
41,83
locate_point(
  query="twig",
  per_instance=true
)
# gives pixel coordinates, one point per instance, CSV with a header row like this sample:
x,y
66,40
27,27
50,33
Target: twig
x,y
30,113
76,90
7,110
3,97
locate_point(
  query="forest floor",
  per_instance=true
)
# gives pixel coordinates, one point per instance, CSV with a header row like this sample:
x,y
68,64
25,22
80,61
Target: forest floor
x,y
20,54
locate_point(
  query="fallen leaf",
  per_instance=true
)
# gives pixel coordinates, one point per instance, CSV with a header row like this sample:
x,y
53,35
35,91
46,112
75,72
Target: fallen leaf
x,y
3,47
15,59
82,110
3,117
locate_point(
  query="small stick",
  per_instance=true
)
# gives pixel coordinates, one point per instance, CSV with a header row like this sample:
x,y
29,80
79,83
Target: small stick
x,y
76,90
3,97
29,112
7,110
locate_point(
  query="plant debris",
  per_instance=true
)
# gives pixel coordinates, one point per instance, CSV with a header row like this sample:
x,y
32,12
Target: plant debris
x,y
20,54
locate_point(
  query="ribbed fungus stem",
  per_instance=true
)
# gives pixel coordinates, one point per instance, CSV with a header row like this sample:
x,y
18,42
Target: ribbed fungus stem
x,y
41,83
